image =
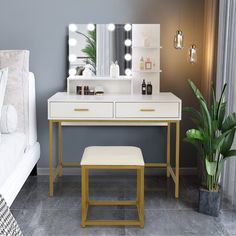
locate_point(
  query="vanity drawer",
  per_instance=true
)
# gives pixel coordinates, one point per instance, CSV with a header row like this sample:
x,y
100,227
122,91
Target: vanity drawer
x,y
81,110
147,110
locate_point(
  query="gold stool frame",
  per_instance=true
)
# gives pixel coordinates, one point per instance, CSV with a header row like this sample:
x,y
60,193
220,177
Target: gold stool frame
x,y
139,202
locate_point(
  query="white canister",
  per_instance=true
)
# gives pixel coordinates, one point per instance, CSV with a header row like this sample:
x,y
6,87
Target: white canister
x,y
117,69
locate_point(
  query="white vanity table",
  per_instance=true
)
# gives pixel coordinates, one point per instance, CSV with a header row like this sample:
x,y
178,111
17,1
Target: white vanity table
x,y
121,103
103,110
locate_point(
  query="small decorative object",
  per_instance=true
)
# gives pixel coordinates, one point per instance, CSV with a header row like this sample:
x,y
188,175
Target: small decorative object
x,y
192,54
146,42
79,90
86,90
148,64
213,136
149,88
117,69
144,87
141,64
88,71
91,92
179,40
99,90
114,70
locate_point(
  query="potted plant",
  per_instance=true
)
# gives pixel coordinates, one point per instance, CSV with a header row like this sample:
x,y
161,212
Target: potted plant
x,y
213,137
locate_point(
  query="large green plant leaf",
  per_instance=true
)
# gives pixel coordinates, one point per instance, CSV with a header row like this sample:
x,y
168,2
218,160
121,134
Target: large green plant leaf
x,y
214,104
205,111
210,167
196,91
228,141
206,115
229,123
230,153
221,101
194,134
221,114
217,143
196,115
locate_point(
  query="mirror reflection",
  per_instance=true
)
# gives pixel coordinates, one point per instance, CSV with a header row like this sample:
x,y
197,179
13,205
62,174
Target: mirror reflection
x,y
93,48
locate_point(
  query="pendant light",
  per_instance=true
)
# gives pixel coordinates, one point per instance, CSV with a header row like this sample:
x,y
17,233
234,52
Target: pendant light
x,y
179,37
192,54
192,51
178,40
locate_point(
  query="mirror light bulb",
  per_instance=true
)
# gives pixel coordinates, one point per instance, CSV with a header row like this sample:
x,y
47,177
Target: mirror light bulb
x,y
128,57
72,58
128,42
72,72
91,27
128,27
128,72
72,42
111,27
72,27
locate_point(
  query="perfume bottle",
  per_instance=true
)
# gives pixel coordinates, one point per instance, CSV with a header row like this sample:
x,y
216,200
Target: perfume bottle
x,y
148,64
149,88
141,64
144,87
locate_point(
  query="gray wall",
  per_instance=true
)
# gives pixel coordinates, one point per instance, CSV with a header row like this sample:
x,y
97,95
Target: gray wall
x,y
41,27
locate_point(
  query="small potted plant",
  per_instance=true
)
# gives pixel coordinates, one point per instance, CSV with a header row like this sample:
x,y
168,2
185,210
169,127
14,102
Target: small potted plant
x,y
213,136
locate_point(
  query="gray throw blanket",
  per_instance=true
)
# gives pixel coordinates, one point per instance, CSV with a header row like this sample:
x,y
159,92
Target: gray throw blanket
x,y
8,224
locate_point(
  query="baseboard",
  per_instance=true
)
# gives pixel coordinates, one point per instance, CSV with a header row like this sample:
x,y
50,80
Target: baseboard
x,y
148,171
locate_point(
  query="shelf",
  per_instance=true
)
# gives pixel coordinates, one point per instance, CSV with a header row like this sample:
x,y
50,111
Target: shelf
x,y
98,78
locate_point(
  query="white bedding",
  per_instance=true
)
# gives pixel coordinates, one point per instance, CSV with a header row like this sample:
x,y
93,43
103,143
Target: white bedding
x,y
11,152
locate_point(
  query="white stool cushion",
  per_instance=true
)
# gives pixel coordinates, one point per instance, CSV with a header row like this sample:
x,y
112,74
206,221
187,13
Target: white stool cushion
x,y
112,155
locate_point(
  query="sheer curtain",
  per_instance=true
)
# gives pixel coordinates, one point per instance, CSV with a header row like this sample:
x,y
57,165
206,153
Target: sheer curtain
x,y
226,73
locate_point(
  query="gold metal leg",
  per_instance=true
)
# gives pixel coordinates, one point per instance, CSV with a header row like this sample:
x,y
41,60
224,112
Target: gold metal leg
x,y
177,159
87,186
60,149
141,196
83,195
138,186
168,150
51,158
86,202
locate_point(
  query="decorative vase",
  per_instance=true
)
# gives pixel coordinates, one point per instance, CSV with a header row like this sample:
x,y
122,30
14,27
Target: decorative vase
x,y
209,202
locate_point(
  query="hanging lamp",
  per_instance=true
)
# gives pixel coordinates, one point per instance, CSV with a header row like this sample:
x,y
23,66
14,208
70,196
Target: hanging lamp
x,y
179,40
192,54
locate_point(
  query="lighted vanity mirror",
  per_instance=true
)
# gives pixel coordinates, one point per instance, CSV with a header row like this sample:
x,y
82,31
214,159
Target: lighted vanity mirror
x,y
96,46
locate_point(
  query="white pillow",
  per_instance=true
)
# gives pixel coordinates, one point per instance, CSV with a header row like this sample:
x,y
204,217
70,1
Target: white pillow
x,y
3,84
9,119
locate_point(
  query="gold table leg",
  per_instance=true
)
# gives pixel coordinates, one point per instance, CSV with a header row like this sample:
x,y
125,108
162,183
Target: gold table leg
x,y
60,148
168,150
51,158
177,159
84,195
141,196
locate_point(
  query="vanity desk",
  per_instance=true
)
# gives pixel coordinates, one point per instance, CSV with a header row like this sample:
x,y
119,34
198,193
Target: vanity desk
x,y
134,51
138,110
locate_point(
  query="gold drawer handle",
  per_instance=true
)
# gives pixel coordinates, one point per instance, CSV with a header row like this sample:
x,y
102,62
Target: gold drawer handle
x,y
81,109
147,110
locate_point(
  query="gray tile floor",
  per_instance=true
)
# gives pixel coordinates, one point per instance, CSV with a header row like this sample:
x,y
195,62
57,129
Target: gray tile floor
x,y
37,214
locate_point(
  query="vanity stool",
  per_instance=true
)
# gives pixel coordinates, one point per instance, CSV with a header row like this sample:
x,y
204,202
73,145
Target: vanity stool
x,y
112,157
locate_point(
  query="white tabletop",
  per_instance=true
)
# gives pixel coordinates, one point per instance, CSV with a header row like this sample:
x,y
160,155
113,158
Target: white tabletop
x,y
161,97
